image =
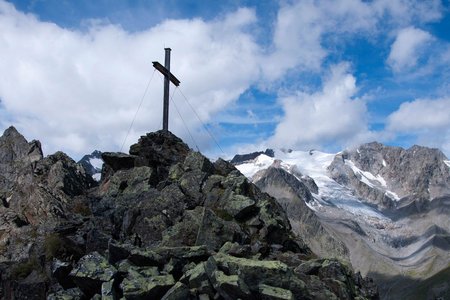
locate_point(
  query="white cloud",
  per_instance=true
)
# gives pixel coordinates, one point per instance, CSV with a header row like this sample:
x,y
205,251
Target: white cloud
x,y
403,12
421,114
300,29
306,31
427,119
407,48
79,90
331,117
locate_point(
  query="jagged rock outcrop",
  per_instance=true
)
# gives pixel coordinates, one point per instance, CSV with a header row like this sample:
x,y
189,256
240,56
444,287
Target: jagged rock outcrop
x,y
37,195
165,222
415,174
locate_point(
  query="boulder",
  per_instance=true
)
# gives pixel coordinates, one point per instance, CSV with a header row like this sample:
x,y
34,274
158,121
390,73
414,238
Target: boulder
x,y
268,292
230,286
91,271
178,291
136,286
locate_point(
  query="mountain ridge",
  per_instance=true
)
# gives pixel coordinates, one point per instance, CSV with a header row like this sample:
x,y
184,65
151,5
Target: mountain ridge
x,y
164,222
401,235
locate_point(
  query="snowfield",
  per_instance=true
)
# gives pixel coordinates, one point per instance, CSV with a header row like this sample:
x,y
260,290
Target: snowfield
x,y
314,164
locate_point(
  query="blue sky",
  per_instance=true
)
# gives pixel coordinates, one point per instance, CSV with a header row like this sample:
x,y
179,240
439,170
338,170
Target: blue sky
x,y
284,74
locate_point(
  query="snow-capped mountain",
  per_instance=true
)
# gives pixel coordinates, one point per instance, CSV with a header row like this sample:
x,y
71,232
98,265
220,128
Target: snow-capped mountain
x,y
93,164
389,206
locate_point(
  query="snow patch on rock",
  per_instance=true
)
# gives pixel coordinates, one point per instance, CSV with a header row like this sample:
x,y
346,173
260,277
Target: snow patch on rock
x,y
314,164
96,163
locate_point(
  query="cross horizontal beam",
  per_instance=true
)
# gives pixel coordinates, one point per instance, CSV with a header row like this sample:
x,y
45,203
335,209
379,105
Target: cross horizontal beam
x,y
167,73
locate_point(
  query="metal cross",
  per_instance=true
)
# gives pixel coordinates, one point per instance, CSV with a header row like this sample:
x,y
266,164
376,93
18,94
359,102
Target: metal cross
x,y
165,70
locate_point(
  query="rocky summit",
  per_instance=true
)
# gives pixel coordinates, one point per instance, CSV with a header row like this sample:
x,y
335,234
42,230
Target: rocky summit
x,y
164,222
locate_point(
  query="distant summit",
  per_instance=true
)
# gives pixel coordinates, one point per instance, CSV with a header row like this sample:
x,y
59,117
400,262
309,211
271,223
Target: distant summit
x,y
93,164
240,158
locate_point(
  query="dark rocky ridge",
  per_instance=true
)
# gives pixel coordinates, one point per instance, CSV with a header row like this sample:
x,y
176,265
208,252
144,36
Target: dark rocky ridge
x,y
165,223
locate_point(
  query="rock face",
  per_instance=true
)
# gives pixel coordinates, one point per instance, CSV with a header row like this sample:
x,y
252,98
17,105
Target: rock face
x,y
165,222
383,175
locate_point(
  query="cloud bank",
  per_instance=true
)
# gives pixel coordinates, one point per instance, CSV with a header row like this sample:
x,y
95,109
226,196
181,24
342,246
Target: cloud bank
x,y
78,89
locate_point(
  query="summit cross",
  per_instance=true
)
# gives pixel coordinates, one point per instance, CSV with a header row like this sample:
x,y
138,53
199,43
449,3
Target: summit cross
x,y
168,77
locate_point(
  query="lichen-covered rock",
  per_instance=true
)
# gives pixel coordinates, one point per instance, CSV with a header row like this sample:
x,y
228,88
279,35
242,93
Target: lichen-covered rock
x,y
240,207
91,272
230,286
129,182
69,294
178,291
160,150
253,271
108,291
136,286
268,292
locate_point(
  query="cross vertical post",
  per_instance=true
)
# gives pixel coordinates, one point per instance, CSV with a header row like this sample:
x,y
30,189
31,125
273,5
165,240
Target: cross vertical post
x,y
166,91
168,77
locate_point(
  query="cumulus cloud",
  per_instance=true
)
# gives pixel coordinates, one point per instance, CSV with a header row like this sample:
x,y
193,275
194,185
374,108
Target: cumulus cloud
x,y
302,29
421,114
79,89
426,119
407,48
330,117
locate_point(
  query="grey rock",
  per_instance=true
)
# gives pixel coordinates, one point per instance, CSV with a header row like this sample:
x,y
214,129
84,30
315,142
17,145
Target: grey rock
x,y
135,286
268,292
91,272
178,291
230,286
61,271
69,294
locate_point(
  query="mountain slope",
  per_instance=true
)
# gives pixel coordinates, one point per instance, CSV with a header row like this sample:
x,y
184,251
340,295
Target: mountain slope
x,y
392,224
293,195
